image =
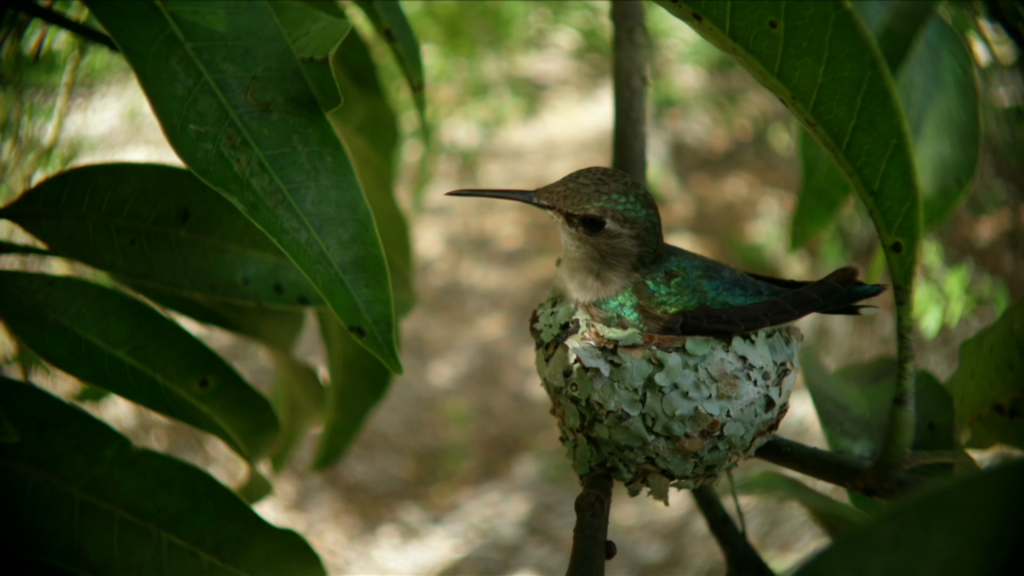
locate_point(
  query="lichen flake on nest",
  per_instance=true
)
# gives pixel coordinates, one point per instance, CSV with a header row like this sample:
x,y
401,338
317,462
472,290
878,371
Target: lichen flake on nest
x,y
661,411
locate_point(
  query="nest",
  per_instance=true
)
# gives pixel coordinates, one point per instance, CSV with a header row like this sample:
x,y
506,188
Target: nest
x,y
661,411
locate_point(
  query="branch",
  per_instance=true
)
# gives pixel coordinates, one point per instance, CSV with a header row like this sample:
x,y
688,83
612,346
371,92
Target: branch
x,y
590,536
899,434
45,14
740,557
628,70
847,471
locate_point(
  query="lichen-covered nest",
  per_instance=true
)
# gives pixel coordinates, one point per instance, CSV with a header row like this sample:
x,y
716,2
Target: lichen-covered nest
x,y
661,411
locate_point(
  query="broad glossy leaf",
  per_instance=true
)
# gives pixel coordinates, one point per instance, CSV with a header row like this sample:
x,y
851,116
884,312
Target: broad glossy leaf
x,y
391,23
823,191
369,129
160,226
233,101
818,58
314,30
87,501
968,527
358,383
274,327
833,516
988,387
299,401
109,339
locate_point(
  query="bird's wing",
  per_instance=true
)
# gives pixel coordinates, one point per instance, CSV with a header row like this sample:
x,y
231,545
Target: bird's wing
x,y
836,293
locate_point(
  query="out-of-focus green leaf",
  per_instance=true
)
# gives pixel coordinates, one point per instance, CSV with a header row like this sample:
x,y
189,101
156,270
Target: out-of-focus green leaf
x,y
967,527
894,24
833,516
853,407
160,226
939,90
90,393
822,63
10,248
358,383
392,25
87,501
315,29
367,126
298,399
988,387
108,339
276,328
823,191
233,101
256,487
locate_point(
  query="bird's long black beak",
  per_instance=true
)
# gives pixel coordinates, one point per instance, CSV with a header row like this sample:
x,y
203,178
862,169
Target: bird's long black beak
x,y
525,196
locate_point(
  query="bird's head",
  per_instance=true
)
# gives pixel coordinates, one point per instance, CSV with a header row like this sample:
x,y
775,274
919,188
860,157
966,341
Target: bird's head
x,y
609,223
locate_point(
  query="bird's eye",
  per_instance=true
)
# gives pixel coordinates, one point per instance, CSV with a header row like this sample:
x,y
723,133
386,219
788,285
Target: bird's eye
x,y
592,224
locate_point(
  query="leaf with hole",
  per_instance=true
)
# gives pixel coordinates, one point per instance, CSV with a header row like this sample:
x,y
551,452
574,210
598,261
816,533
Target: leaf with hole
x,y
234,103
111,340
86,501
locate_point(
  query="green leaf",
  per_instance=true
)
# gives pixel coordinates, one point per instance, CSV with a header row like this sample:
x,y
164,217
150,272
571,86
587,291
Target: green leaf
x,y
894,25
85,500
314,30
358,383
967,527
853,407
392,25
818,58
9,248
823,191
298,399
276,328
91,394
988,387
939,90
833,516
369,129
108,339
256,487
161,227
233,101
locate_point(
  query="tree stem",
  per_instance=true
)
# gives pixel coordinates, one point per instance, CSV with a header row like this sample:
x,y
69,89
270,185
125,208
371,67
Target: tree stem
x,y
591,531
629,66
740,557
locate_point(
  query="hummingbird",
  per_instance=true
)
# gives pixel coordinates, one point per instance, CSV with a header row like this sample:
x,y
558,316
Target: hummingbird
x,y
617,266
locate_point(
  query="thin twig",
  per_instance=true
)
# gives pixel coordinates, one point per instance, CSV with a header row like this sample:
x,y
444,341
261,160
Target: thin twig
x,y
849,472
736,503
57,19
740,557
591,531
629,66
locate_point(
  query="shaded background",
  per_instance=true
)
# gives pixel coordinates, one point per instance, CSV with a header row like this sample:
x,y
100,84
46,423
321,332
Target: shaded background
x,y
459,470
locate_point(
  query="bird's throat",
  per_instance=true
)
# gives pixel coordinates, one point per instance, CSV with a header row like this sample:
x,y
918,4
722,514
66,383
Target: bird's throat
x,y
589,273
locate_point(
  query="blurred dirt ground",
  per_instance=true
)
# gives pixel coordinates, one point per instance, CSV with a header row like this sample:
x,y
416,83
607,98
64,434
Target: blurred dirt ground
x,y
459,470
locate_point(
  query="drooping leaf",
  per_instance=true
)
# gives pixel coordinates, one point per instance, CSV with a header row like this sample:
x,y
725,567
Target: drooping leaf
x,y
298,399
391,23
369,129
314,30
894,24
108,339
274,327
358,383
233,101
85,500
964,527
818,58
833,516
159,226
988,387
